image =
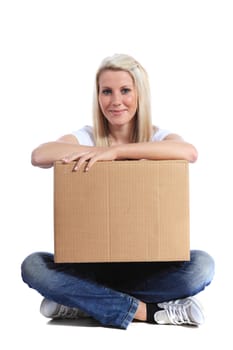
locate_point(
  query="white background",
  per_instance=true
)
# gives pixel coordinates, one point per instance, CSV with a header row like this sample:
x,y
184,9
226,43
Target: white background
x,y
49,52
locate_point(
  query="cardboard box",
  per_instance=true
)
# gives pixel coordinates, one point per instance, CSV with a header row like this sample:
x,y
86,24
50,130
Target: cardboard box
x,y
122,211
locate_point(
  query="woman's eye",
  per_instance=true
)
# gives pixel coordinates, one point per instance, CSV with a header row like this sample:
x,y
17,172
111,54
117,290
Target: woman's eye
x,y
106,91
125,91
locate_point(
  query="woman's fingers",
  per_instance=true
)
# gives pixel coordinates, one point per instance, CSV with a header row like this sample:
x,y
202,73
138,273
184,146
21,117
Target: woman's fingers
x,y
73,156
90,158
106,155
82,160
93,160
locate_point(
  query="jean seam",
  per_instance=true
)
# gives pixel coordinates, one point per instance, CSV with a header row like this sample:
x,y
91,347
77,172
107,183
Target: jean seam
x,y
130,314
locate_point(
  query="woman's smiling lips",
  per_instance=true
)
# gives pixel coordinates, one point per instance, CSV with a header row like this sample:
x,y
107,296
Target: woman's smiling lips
x,y
117,111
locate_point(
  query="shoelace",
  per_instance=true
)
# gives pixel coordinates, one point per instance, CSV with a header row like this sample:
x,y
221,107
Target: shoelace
x,y
67,312
177,313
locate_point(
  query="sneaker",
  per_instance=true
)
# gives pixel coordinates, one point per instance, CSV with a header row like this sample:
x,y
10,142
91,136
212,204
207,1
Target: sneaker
x,y
51,309
180,311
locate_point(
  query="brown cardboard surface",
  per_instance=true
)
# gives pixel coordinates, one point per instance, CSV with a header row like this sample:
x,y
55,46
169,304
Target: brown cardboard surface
x,y
122,211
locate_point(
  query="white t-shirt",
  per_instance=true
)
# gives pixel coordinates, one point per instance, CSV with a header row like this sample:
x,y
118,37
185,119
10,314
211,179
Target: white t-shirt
x,y
85,135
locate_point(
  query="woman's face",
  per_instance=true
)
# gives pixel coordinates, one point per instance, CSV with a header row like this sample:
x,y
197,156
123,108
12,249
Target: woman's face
x,y
117,97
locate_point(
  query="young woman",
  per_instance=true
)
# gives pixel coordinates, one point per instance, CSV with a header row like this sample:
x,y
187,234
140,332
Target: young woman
x,y
117,293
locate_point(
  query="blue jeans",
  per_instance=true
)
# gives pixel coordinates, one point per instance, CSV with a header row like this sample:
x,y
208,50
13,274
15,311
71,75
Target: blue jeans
x,y
110,292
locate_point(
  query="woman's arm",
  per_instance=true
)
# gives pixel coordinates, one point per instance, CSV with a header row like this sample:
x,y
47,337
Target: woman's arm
x,y
172,147
68,149
46,154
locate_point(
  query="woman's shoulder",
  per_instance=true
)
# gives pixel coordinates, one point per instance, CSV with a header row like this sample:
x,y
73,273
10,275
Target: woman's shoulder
x,y
85,135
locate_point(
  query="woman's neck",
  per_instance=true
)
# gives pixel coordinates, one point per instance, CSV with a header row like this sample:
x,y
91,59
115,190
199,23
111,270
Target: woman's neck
x,y
121,134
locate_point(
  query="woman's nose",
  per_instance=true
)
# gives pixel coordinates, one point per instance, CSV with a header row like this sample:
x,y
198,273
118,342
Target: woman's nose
x,y
116,100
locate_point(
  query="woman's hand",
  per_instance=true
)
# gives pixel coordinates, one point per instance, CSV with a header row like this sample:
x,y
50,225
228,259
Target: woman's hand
x,y
90,157
171,148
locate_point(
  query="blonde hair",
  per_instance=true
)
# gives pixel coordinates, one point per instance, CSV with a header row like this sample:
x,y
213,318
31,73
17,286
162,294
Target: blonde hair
x,y
143,125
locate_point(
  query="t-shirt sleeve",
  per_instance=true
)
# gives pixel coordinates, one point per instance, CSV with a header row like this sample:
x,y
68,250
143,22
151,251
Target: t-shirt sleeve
x,y
160,134
85,136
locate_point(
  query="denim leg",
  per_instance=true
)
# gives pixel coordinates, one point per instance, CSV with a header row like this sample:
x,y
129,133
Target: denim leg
x,y
158,282
110,292
76,285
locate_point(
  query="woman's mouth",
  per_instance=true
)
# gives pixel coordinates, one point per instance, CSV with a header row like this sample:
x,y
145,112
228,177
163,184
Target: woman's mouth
x,y
117,111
